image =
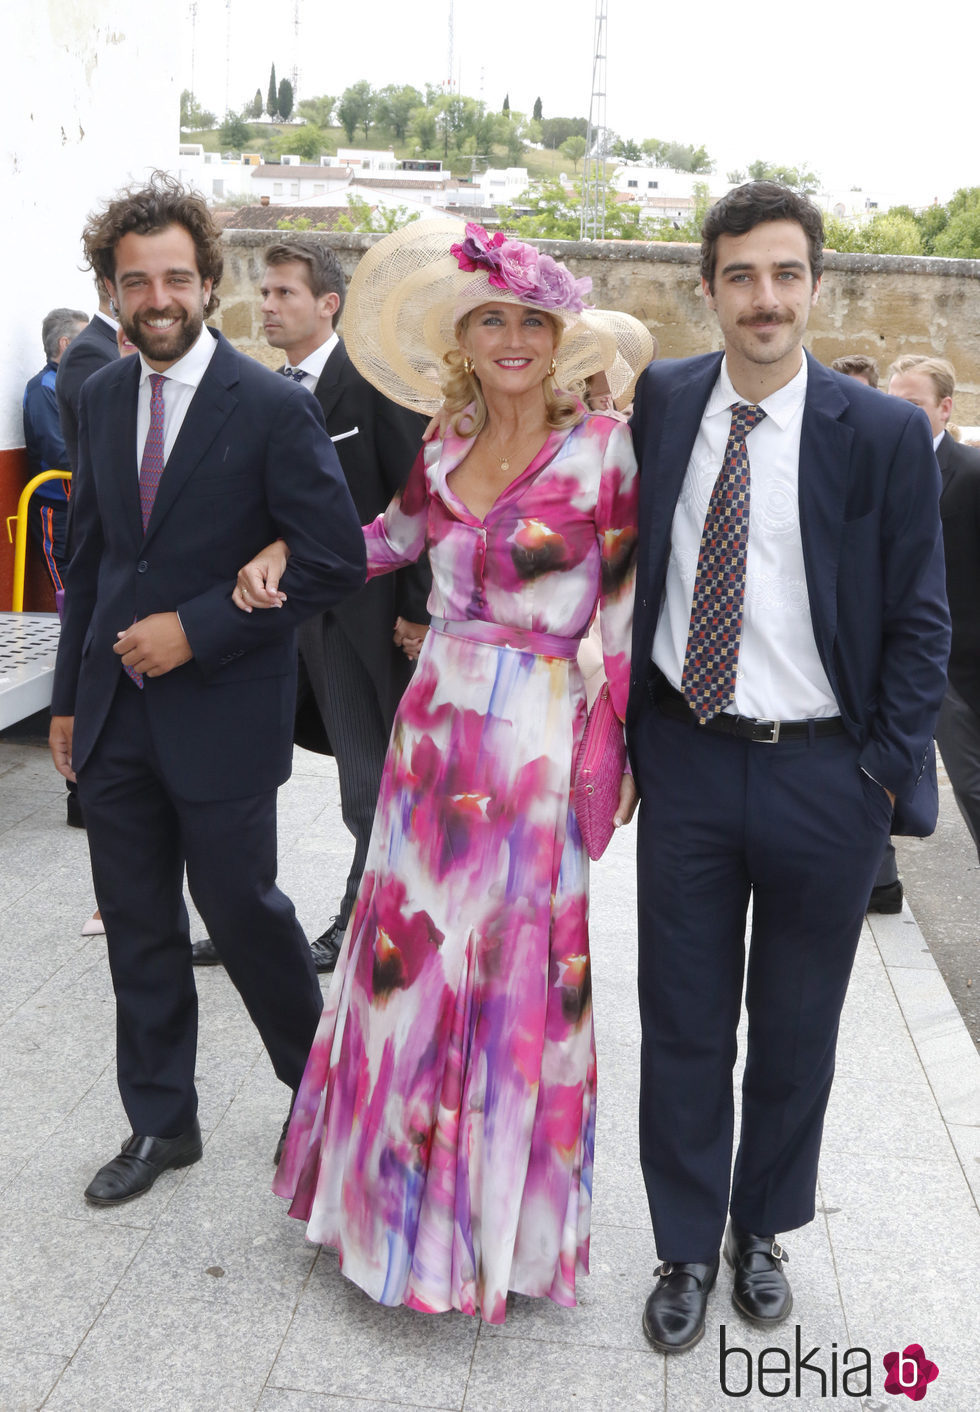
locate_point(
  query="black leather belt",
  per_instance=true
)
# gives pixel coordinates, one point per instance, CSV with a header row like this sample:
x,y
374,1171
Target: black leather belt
x,y
671,703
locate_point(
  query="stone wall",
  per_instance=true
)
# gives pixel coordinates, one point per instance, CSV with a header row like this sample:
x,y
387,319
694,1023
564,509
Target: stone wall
x,y
882,305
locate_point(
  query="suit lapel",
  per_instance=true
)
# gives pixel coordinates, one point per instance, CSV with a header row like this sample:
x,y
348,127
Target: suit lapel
x,y
123,434
944,455
662,478
329,385
210,407
824,480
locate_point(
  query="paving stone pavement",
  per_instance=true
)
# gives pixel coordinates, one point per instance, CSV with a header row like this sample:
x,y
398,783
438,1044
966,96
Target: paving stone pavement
x,y
203,1297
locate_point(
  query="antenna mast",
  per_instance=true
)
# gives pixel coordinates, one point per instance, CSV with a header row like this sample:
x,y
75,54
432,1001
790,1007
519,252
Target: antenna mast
x,y
592,225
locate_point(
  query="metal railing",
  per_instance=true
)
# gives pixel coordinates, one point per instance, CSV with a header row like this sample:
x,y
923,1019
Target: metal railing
x,y
18,538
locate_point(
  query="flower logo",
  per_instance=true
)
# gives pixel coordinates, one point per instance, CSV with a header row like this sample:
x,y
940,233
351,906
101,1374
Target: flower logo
x,y
910,1372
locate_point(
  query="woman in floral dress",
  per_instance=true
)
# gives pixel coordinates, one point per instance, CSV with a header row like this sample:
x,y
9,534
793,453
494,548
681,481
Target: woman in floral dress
x,y
442,1137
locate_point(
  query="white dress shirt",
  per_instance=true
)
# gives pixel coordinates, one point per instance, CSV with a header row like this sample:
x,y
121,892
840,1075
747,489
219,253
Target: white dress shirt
x,y
315,362
183,380
780,676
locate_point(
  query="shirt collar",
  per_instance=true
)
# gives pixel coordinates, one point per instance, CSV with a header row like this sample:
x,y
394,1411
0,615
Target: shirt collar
x,y
107,319
780,406
315,362
191,368
937,439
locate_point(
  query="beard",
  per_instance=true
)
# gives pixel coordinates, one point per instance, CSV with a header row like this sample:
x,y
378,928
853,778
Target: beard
x,y
164,345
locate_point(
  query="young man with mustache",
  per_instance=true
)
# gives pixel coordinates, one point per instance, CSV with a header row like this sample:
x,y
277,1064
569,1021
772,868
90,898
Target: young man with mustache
x,y
789,654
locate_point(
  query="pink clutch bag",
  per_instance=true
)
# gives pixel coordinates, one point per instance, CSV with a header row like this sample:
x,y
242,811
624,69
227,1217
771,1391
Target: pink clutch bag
x,y
597,772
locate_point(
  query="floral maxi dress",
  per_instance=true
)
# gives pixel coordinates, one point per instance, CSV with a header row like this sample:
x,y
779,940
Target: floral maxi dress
x,y
442,1136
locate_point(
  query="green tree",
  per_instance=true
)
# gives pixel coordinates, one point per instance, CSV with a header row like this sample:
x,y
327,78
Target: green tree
x,y
960,237
505,106
393,108
272,100
422,128
554,131
234,132
355,108
255,111
318,111
307,141
284,102
629,150
192,116
536,110
361,217
800,179
574,149
891,233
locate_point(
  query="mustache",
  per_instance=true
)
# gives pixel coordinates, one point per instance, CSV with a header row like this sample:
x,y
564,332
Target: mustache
x,y
756,320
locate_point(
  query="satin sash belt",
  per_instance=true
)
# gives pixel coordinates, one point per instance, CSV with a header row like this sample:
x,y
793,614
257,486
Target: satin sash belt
x,y
542,644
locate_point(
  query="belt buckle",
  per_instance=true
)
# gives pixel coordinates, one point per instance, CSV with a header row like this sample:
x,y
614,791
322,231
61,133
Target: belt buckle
x,y
773,737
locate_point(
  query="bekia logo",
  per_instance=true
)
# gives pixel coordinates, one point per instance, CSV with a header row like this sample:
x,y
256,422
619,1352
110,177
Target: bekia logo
x,y
818,1372
910,1372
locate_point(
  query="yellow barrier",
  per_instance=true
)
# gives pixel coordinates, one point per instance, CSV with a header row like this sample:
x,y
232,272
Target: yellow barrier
x,y
19,541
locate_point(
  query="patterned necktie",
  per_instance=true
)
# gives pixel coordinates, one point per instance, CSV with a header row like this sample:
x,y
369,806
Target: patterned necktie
x,y
297,374
151,469
151,466
711,659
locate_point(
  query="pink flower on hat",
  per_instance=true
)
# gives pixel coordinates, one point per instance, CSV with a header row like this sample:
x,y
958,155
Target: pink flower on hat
x,y
521,270
478,251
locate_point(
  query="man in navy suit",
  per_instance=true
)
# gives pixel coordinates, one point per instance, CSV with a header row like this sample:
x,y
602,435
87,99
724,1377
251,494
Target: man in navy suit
x,y
172,707
789,653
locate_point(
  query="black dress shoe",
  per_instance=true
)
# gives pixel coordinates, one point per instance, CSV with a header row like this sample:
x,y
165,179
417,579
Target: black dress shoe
x,y
673,1319
74,818
204,953
887,898
138,1165
761,1291
326,948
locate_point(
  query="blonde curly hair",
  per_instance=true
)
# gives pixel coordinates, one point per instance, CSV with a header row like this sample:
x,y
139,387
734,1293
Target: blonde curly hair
x,y
462,390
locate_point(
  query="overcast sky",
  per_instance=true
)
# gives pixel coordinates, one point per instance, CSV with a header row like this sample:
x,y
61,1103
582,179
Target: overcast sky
x,y
787,82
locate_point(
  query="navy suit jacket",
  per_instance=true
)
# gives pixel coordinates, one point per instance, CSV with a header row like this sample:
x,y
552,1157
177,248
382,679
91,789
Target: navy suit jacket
x,y
873,554
959,507
252,462
94,347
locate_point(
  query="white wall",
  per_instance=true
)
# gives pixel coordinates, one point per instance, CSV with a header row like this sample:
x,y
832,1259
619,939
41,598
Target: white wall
x,y
91,103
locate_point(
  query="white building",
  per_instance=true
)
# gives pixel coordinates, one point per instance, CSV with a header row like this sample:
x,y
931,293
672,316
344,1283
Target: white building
x,y
91,105
216,177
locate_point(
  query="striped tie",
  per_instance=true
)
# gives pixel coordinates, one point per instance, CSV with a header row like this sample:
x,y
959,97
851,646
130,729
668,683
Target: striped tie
x,y
711,659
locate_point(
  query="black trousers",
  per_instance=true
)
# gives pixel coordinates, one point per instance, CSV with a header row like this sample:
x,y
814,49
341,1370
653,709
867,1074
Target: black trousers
x,y
798,829
141,836
347,700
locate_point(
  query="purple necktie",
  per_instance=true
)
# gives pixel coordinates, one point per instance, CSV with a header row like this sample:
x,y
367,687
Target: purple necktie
x,y
151,466
711,659
151,469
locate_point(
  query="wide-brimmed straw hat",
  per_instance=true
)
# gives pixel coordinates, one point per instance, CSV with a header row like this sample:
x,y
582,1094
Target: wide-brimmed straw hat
x,y
409,291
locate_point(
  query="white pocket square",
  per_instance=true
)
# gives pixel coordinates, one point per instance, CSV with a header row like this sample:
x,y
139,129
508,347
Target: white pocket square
x,y
343,435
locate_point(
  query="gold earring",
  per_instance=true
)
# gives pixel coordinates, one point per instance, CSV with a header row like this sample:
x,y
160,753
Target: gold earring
x,y
468,365
553,368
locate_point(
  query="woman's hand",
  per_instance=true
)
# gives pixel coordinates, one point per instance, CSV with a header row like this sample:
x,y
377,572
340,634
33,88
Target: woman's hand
x,y
257,585
628,800
409,637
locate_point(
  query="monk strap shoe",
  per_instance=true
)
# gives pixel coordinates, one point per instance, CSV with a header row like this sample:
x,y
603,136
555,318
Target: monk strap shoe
x,y
761,1290
138,1165
673,1319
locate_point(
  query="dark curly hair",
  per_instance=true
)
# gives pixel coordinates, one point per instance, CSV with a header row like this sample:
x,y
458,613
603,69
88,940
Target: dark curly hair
x,y
146,210
750,205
